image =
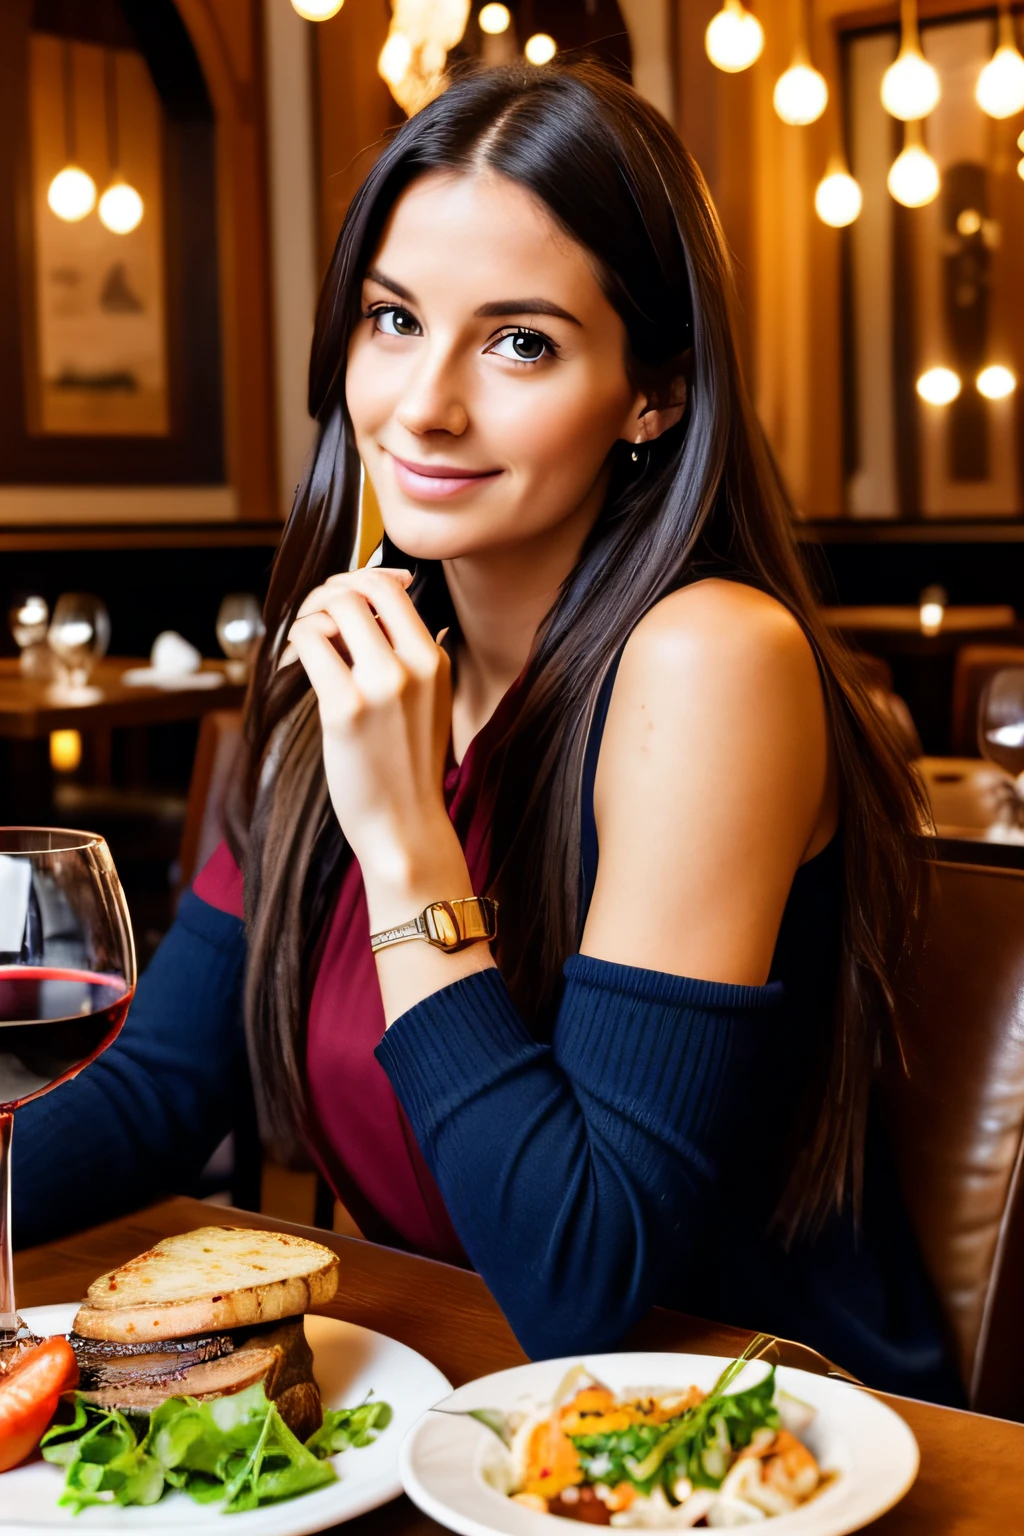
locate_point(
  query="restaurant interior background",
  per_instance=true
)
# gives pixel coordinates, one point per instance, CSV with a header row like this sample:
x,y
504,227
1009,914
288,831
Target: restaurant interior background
x,y
155,318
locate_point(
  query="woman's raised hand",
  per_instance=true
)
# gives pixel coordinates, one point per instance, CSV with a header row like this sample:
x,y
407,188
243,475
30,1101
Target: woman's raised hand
x,y
383,684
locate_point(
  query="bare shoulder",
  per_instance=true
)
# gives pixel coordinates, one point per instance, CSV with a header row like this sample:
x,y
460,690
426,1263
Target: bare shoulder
x,y
715,781
727,625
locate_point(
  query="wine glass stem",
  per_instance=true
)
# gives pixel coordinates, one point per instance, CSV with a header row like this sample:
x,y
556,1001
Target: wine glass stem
x,y
9,1319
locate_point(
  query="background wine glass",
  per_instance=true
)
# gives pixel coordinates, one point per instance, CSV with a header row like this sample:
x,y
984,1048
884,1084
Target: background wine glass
x,y
28,617
78,636
239,629
1001,719
67,975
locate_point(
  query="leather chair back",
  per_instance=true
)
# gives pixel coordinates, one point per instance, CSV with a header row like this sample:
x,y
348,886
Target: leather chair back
x,y
957,1120
975,664
220,737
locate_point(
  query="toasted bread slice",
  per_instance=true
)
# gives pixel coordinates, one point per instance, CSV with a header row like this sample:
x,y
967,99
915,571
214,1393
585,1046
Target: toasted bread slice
x,y
203,1281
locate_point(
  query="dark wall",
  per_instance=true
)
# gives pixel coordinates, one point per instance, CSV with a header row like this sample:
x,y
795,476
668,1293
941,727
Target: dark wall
x,y
852,569
146,590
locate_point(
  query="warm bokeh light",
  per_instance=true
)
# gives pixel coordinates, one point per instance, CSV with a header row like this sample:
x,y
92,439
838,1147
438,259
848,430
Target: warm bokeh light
x,y
72,194
1000,87
65,751
968,221
996,382
939,386
910,86
734,38
495,19
913,178
120,208
801,95
540,48
837,199
395,58
317,10
932,609
1020,169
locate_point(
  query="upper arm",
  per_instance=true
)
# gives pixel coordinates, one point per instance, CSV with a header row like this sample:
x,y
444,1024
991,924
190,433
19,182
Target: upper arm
x,y
714,782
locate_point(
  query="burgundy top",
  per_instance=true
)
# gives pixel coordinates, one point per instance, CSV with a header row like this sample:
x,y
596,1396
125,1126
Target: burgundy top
x,y
359,1132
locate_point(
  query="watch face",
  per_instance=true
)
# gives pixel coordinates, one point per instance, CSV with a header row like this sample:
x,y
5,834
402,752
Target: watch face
x,y
444,930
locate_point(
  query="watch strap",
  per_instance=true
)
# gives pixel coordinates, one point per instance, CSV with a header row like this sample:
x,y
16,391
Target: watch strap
x,y
448,925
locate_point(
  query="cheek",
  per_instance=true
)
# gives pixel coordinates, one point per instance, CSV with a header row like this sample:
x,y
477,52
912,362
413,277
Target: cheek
x,y
562,427
372,387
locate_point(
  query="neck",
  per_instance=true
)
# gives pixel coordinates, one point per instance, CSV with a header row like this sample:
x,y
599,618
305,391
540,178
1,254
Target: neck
x,y
501,597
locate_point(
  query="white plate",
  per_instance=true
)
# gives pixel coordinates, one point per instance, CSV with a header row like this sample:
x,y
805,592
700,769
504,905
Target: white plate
x,y
348,1363
869,1447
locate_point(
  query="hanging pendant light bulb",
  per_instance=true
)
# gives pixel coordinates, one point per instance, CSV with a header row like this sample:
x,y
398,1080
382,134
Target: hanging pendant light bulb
x,y
121,208
1000,87
72,192
317,10
734,38
837,199
801,93
913,178
910,86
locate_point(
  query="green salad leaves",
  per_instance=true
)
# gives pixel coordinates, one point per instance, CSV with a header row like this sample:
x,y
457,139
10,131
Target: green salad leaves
x,y
700,1444
236,1449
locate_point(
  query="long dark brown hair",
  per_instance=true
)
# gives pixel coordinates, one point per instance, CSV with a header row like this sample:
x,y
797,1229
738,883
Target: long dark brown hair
x,y
615,176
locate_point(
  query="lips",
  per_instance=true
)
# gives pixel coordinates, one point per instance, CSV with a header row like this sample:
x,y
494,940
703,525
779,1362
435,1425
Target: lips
x,y
437,482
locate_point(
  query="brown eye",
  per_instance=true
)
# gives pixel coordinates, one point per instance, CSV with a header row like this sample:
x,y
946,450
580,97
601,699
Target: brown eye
x,y
523,346
395,322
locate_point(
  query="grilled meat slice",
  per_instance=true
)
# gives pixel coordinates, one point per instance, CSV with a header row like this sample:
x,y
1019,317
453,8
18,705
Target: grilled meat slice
x,y
277,1355
102,1363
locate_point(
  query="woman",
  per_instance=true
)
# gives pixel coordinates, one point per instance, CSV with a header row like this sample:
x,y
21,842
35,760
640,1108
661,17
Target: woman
x,y
589,636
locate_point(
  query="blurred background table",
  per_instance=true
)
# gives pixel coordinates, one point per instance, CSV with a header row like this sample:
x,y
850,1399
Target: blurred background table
x,y
29,710
971,1481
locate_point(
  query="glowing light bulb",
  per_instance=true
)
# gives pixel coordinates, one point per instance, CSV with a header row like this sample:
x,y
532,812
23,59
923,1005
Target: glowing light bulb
x,y
1000,87
540,48
734,38
395,58
913,178
495,19
72,194
996,382
939,386
838,199
801,95
1020,141
932,609
910,86
968,222
317,10
65,751
120,208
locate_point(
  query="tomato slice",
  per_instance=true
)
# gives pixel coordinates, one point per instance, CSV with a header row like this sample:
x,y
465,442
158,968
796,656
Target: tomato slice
x,y
29,1393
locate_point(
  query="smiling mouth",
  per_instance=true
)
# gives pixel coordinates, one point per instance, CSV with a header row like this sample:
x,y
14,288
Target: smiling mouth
x,y
435,482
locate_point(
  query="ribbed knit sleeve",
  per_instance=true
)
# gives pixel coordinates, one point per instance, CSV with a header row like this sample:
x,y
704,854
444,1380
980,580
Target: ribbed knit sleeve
x,y
580,1175
144,1117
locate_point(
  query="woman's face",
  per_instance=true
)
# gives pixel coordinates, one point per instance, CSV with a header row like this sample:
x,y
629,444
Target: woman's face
x,y
487,380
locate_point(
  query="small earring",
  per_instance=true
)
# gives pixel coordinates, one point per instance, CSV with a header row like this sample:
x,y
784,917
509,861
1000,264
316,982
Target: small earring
x,y
635,456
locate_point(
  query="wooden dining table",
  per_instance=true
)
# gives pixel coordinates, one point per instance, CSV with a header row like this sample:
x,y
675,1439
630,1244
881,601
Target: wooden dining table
x,y
971,1481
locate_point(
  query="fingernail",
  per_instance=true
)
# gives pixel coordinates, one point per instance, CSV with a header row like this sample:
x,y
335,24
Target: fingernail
x,y
441,634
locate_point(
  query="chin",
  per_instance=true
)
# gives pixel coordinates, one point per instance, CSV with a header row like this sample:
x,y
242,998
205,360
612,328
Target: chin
x,y
440,534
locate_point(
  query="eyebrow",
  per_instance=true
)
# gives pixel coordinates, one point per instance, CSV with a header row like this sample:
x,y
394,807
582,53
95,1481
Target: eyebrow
x,y
496,308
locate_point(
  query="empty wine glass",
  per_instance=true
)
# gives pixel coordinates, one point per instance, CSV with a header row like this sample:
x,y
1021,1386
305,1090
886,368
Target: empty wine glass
x,y
1001,719
239,630
28,617
67,976
78,636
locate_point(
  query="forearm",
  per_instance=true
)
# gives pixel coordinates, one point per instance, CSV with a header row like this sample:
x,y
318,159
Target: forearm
x,y
411,971
580,1176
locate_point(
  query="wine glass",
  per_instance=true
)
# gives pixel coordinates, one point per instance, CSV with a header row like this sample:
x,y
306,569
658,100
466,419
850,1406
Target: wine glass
x,y
239,629
67,976
1001,719
28,617
78,636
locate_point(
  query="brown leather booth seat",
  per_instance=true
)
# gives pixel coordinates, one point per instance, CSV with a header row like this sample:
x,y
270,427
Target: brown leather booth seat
x,y
957,1120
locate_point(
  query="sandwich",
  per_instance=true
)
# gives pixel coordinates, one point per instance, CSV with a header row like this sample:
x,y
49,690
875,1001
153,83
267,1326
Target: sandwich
x,y
203,1315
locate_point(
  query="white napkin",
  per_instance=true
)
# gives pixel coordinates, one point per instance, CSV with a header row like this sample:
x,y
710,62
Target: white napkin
x,y
173,663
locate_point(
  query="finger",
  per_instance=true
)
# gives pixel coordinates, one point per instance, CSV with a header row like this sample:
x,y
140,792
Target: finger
x,y
330,678
368,582
410,637
374,662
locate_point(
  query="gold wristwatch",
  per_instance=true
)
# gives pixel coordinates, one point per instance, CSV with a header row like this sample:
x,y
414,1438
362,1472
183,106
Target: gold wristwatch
x,y
448,925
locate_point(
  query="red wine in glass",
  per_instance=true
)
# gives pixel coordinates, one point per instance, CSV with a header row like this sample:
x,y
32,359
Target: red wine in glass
x,y
54,1022
67,975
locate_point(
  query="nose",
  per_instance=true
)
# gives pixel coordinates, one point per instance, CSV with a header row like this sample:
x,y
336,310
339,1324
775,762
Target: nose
x,y
434,399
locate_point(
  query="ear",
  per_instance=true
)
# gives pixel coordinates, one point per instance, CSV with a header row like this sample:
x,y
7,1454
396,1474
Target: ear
x,y
664,408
